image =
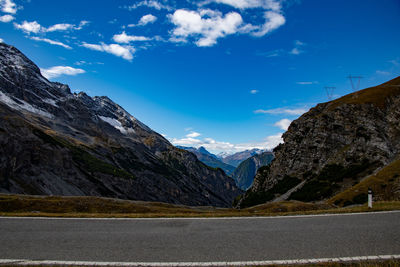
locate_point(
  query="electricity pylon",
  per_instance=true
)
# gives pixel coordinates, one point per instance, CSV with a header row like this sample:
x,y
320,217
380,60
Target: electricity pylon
x,y
355,82
329,91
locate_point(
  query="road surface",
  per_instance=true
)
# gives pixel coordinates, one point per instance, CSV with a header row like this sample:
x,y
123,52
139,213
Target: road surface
x,y
200,240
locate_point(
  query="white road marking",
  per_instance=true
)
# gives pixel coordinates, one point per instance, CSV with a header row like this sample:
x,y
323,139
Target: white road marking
x,y
22,262
209,218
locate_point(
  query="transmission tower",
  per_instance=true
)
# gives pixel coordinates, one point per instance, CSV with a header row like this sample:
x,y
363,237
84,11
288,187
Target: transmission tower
x,y
329,92
355,82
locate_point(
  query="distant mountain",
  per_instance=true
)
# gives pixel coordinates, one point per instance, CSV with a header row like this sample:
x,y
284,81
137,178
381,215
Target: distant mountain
x,y
53,142
209,159
222,155
238,157
245,172
204,151
336,151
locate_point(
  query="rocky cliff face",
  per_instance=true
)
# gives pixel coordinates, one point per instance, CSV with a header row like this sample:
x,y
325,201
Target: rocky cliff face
x,y
53,142
245,172
333,146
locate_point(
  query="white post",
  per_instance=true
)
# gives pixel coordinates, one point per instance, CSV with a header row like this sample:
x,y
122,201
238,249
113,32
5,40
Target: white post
x,y
369,198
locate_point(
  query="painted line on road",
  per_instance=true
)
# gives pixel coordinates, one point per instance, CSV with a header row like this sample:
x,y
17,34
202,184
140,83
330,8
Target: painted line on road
x,y
208,218
22,262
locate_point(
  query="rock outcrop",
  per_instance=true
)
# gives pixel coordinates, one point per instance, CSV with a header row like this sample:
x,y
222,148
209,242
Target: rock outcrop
x,y
333,146
53,142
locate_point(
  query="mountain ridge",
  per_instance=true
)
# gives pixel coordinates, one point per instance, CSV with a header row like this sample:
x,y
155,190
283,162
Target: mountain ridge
x,y
333,147
56,142
238,157
210,159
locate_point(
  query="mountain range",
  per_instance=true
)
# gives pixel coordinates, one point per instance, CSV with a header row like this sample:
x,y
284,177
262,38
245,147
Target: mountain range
x,y
210,159
244,173
237,158
336,151
54,142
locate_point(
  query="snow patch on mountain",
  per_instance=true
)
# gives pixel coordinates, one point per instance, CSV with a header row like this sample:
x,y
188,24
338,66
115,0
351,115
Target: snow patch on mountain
x,y
22,106
117,125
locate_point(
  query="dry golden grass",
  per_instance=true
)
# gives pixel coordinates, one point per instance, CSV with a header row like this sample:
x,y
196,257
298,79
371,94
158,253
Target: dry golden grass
x,y
96,207
374,95
390,263
384,184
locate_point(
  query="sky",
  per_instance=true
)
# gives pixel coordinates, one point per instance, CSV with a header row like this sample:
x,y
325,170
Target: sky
x,y
228,75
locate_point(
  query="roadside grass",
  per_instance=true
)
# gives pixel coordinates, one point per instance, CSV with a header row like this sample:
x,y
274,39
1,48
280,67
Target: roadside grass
x,y
98,207
389,263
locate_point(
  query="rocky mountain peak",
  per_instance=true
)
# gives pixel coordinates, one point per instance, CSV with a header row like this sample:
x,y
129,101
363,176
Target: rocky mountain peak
x,y
55,142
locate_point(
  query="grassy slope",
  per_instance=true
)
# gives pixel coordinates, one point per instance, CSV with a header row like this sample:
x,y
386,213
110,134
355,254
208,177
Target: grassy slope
x,y
374,95
385,184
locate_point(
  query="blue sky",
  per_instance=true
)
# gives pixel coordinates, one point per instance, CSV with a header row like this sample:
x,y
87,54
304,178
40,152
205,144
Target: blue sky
x,y
226,74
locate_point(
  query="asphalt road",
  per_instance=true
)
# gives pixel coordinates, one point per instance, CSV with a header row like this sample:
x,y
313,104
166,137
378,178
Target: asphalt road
x,y
200,240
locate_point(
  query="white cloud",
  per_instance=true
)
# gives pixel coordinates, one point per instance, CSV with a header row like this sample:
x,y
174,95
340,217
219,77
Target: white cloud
x,y
150,3
273,53
307,83
273,21
283,124
56,71
35,27
253,92
186,141
217,146
276,111
82,62
146,19
50,42
8,6
295,51
193,135
297,48
6,18
1,40
82,24
29,27
244,4
395,62
272,14
66,26
382,72
60,27
207,30
126,52
124,38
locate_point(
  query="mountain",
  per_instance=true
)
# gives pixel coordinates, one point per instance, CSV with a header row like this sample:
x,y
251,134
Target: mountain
x,y
53,142
209,159
245,172
237,158
222,155
336,150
